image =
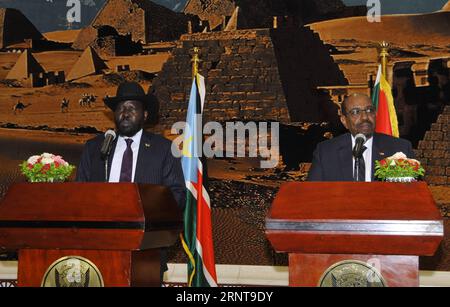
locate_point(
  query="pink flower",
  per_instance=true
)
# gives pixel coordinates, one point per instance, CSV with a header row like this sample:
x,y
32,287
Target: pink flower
x,y
59,161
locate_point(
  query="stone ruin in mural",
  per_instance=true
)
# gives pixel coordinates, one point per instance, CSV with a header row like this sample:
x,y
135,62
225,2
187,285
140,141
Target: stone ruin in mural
x,y
287,61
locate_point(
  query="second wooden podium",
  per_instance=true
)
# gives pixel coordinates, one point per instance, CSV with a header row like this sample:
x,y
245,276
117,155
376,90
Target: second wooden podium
x,y
354,234
88,234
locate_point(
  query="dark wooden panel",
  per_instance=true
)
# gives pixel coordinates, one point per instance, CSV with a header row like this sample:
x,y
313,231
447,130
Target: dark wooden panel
x,y
72,202
160,208
88,216
113,265
17,238
146,268
354,201
319,243
398,271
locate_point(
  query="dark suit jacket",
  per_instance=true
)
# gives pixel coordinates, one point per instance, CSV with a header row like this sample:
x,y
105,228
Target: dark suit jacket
x,y
155,165
333,160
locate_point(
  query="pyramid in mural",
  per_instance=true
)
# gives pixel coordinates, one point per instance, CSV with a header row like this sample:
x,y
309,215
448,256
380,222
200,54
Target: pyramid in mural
x,y
88,64
259,14
211,11
236,21
144,20
25,65
446,7
15,28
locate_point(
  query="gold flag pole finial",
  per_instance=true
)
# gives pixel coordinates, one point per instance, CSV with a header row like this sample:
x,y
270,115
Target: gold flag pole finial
x,y
195,62
384,55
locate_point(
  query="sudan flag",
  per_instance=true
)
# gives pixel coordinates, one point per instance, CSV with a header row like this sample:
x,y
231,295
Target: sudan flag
x,y
384,103
197,237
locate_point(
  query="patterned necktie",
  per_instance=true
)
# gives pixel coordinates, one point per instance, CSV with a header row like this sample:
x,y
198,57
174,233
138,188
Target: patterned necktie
x,y
127,163
362,167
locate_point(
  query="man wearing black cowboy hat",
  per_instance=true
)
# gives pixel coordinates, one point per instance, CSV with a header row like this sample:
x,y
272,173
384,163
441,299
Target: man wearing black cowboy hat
x,y
136,155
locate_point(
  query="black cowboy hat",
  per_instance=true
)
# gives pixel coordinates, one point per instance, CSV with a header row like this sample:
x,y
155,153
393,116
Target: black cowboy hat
x,y
129,91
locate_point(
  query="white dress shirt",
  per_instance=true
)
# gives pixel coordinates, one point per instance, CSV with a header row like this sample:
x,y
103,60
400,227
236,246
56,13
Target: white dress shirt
x,y
121,146
367,155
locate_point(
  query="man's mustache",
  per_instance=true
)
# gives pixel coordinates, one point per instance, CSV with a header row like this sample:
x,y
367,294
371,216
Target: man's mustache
x,y
125,120
364,122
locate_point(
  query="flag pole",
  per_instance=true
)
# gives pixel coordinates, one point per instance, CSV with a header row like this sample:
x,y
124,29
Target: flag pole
x,y
197,240
384,55
386,120
195,60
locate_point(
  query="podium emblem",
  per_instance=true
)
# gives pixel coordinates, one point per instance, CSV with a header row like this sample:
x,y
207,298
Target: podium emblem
x,y
72,271
351,273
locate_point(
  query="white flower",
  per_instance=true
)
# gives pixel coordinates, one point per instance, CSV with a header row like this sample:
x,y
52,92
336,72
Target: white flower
x,y
398,155
47,160
47,155
33,159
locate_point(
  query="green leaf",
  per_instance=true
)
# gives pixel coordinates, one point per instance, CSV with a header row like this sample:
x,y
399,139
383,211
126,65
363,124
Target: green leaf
x,y
400,169
40,173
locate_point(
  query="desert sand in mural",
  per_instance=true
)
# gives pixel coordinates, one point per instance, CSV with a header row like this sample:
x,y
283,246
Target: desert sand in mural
x,y
416,38
43,104
66,36
412,38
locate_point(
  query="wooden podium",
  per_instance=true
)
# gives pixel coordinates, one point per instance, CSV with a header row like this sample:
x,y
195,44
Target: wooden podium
x,y
88,233
338,233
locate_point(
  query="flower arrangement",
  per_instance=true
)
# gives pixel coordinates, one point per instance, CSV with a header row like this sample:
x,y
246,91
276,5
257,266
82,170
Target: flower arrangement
x,y
46,168
398,168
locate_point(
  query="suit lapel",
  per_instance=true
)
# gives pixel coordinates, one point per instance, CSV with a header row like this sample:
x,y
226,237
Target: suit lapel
x,y
377,155
346,158
110,157
144,148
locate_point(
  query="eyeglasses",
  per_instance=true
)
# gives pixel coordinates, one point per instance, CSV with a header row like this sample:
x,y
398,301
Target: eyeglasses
x,y
370,111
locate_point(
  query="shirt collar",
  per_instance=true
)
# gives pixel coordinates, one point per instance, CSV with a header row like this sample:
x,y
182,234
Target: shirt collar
x,y
368,143
136,138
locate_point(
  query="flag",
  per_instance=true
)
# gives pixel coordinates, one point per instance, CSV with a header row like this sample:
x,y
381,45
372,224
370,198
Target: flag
x,y
197,237
384,103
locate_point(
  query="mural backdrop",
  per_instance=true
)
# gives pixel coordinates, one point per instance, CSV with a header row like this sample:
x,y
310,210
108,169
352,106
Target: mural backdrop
x,y
284,61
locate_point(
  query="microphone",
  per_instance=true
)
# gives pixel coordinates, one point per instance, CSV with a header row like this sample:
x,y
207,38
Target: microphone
x,y
105,150
360,139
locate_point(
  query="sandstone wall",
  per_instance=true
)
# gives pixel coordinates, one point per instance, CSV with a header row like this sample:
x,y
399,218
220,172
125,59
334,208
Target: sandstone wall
x,y
259,13
125,16
241,74
210,10
257,75
165,25
144,20
434,150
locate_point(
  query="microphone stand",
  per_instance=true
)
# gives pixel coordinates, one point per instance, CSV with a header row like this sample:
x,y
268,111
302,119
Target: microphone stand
x,y
106,168
357,156
106,158
105,155
357,162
